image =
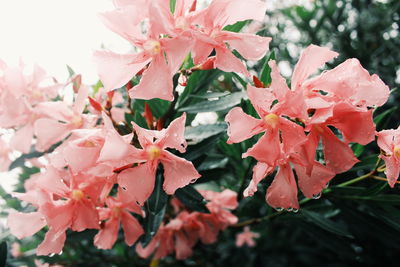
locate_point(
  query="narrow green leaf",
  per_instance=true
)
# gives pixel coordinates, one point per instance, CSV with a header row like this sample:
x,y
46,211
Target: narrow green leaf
x,y
204,131
379,118
3,254
195,151
155,210
325,223
236,27
192,199
222,103
71,72
358,149
213,162
265,75
172,5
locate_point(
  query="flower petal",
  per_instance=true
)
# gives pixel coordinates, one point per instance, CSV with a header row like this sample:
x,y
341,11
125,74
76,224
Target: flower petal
x,y
282,193
241,125
132,228
178,172
17,222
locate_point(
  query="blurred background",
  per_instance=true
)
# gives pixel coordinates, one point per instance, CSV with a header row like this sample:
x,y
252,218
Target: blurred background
x,y
361,230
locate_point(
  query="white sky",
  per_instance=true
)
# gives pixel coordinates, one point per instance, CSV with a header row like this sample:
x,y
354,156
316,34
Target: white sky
x,y
54,33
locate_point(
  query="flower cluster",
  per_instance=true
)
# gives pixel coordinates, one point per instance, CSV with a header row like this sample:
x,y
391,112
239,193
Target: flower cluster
x,y
182,233
164,39
77,194
295,121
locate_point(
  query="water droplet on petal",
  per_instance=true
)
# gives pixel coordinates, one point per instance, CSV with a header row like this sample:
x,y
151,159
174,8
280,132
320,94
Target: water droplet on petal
x,y
193,181
317,196
327,184
52,254
279,209
152,233
61,252
290,209
295,210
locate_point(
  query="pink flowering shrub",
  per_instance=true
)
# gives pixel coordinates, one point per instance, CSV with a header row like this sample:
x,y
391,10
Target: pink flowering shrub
x,y
126,155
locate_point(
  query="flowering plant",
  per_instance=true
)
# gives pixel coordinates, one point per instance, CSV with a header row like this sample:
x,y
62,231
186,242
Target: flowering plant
x,y
127,152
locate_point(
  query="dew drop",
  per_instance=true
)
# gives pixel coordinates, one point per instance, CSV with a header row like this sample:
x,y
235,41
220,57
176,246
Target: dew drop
x,y
52,254
290,209
61,252
124,188
193,181
279,209
327,184
295,210
317,196
152,233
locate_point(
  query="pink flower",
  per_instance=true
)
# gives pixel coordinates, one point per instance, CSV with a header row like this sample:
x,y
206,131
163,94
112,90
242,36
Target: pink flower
x,y
246,237
389,143
211,35
116,213
182,233
5,151
178,172
61,121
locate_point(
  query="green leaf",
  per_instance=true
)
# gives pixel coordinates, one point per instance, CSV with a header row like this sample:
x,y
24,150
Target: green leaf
x,y
213,162
325,223
265,75
155,209
71,72
137,118
358,149
204,131
192,199
172,5
3,254
211,95
236,27
379,118
195,151
222,103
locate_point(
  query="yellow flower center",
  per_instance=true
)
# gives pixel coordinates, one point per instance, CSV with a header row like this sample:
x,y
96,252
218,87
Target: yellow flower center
x,y
153,152
77,195
116,211
77,121
272,120
152,46
396,151
88,143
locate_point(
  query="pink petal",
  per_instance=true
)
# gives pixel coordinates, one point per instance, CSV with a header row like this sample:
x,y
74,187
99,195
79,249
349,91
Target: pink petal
x,y
49,132
312,185
351,82
149,249
14,80
132,228
356,125
241,125
338,155
122,22
115,70
58,217
386,139
17,222
174,135
176,50
182,246
261,98
22,139
267,149
53,243
85,216
282,193
73,155
392,169
80,100
201,50
178,172
227,62
312,58
278,83
156,81
292,135
106,237
260,171
138,182
51,182
250,46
